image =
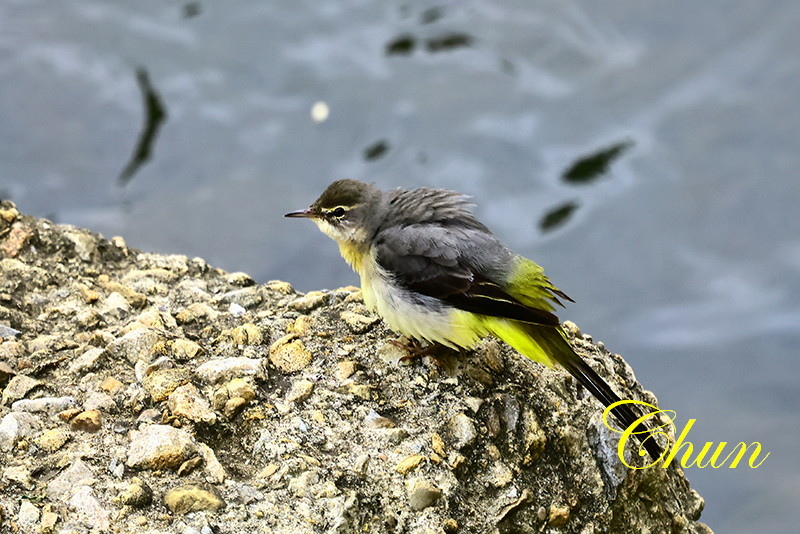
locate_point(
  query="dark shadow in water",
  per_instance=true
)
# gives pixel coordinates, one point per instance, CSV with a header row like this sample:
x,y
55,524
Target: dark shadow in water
x,y
191,9
154,115
589,168
431,15
403,45
557,216
448,42
376,150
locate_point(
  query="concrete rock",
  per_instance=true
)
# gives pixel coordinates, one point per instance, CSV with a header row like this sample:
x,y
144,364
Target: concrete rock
x,y
193,498
160,447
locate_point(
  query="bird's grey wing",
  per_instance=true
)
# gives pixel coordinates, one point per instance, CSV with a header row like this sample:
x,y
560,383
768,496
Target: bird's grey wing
x,y
465,267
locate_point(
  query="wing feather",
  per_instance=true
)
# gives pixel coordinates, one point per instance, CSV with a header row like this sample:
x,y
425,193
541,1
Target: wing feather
x,y
464,267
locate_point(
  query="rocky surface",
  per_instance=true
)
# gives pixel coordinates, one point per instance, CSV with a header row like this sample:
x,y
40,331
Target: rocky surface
x,y
153,393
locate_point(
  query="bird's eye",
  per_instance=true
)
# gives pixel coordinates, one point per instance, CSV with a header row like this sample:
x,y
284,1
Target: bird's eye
x,y
338,212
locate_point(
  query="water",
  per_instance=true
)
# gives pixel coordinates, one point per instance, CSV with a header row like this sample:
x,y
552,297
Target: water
x,y
683,256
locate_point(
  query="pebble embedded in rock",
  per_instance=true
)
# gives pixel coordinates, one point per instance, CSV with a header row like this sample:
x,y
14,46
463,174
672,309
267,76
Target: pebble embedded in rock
x,y
115,306
409,463
290,357
28,516
186,401
301,390
15,426
193,498
160,447
218,369
18,387
247,334
310,301
111,385
89,510
196,312
461,430
64,484
422,494
51,440
88,421
140,344
558,516
359,323
137,494
185,349
87,361
162,382
50,405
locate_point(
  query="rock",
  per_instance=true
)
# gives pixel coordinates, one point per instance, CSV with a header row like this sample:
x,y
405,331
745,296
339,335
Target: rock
x,y
240,279
193,498
48,523
6,372
62,487
88,509
358,322
300,391
85,244
18,387
16,240
51,440
137,494
215,473
15,426
184,349
219,369
6,332
18,474
87,421
309,301
186,401
247,334
409,463
28,516
160,447
115,306
335,439
290,357
196,312
140,344
101,402
49,405
162,382
422,494
461,430
111,385
558,516
87,361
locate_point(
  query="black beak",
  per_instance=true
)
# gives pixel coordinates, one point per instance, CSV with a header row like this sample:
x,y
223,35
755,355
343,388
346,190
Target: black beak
x,y
306,214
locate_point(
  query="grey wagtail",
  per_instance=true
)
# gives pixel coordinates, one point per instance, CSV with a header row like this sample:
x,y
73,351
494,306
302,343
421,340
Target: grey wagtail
x,y
435,273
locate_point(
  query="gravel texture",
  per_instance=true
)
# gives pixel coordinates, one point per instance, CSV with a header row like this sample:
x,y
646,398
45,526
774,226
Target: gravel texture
x,y
153,393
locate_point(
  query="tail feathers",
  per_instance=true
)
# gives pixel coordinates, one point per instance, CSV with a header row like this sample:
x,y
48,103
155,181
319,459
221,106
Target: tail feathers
x,y
552,342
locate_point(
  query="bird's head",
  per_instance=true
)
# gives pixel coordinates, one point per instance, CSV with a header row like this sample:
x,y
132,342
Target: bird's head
x,y
347,211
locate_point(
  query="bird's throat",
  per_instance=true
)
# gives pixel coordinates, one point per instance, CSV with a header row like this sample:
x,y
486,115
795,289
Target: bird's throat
x,y
354,255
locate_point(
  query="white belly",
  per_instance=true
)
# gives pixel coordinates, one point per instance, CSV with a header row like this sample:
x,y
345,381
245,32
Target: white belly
x,y
418,316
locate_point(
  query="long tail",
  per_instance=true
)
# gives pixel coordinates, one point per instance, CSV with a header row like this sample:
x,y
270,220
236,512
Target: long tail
x,y
549,345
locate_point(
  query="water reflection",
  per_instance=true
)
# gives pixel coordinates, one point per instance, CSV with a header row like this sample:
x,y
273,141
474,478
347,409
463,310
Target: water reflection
x,y
405,44
557,216
154,115
589,168
376,150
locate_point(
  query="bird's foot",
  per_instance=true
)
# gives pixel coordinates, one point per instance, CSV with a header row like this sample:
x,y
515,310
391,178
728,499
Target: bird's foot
x,y
415,349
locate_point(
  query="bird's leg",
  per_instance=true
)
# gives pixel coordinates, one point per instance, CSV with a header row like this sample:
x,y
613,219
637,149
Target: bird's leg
x,y
416,350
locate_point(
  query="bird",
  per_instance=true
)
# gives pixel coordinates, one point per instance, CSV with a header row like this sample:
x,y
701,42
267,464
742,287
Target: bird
x,y
436,274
